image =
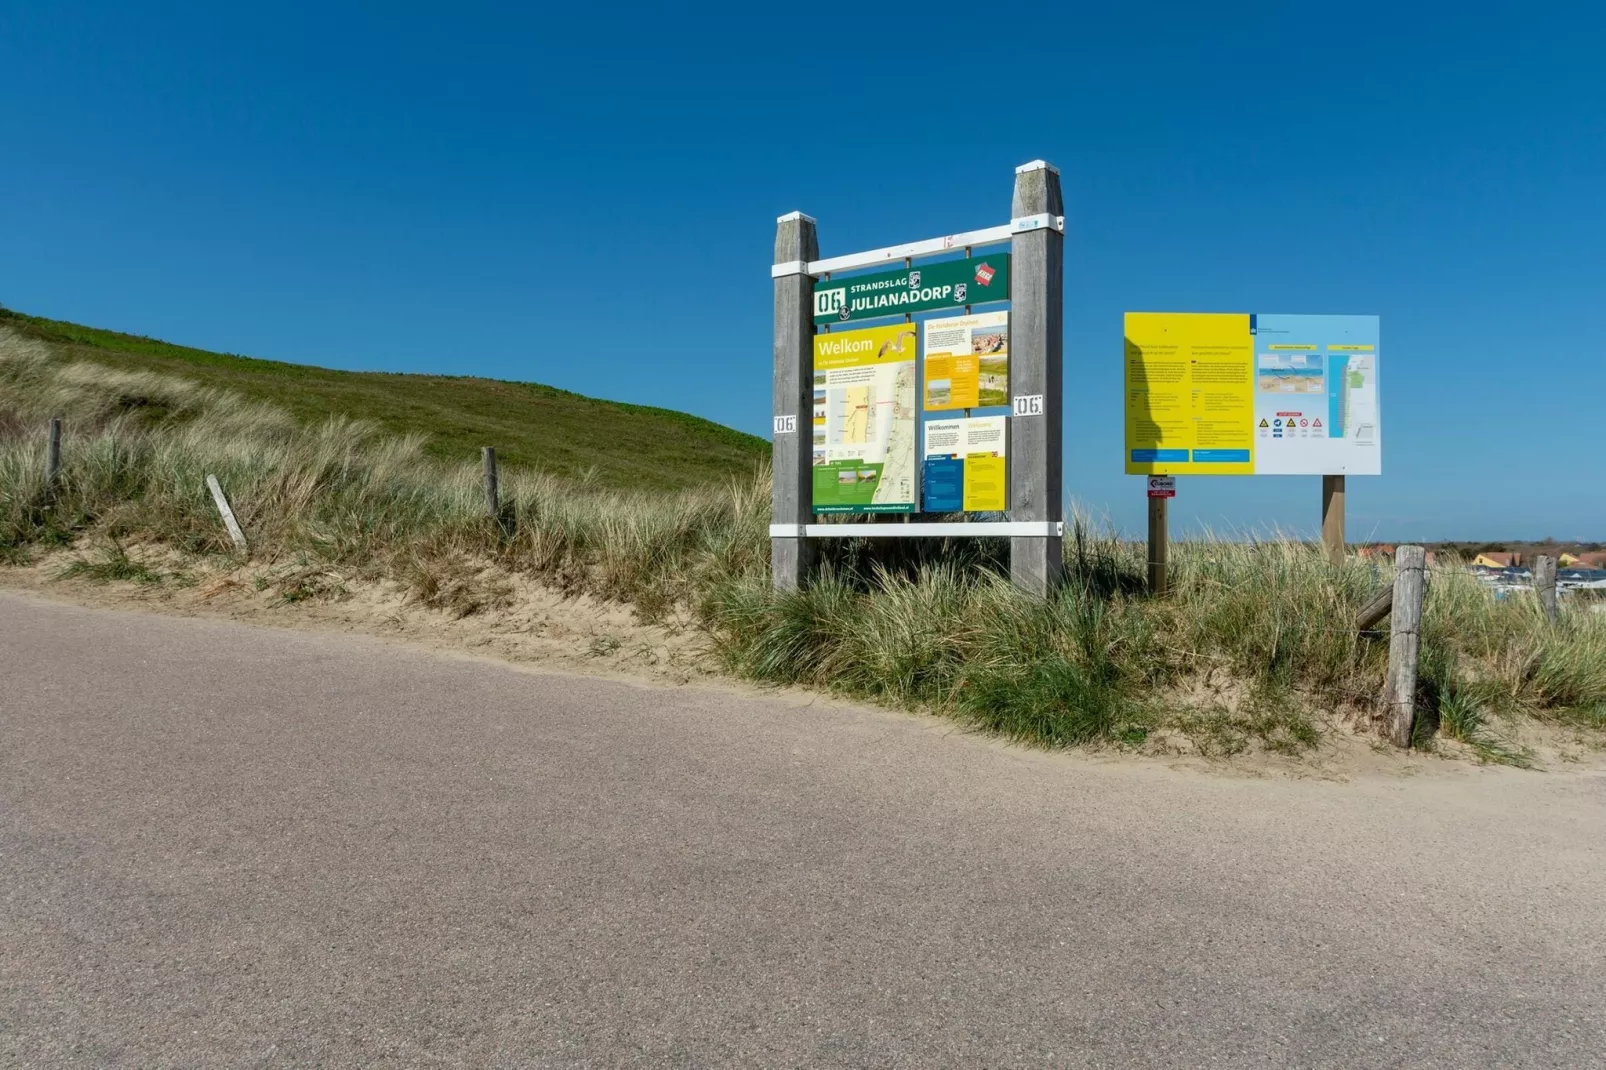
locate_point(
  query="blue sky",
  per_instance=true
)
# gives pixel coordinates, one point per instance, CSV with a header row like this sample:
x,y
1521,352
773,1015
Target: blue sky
x,y
498,190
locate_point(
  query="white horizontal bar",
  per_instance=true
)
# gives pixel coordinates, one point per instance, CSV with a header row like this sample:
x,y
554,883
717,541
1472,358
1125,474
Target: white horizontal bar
x,y
791,267
872,257
789,216
980,528
1036,165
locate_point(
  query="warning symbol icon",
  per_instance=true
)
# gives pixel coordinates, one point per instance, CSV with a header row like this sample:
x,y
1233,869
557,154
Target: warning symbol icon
x,y
1263,422
1318,422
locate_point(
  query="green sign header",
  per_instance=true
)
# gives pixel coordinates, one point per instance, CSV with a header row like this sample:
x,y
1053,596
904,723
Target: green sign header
x,y
949,285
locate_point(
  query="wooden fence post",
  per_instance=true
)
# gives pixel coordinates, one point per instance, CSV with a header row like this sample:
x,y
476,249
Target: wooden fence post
x,y
1159,545
1405,637
222,502
1375,610
493,504
1544,579
1333,518
792,403
53,454
1036,376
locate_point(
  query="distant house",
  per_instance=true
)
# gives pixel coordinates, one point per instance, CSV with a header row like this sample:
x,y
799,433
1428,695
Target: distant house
x,y
1500,559
1592,560
1382,551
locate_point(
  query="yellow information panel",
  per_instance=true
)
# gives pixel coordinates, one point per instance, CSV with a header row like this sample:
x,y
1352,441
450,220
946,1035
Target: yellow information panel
x,y
1190,394
967,361
865,421
966,468
986,483
1252,394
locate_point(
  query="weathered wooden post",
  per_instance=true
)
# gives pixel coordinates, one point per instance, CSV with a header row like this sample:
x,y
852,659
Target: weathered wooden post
x,y
1405,635
1159,545
792,404
1544,573
53,454
236,535
1036,351
1333,518
1371,614
493,504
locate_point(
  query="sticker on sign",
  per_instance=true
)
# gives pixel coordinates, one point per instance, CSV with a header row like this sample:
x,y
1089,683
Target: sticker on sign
x,y
1028,405
1162,486
785,425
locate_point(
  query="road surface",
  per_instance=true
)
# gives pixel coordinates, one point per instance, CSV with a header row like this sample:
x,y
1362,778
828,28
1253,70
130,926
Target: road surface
x,y
230,846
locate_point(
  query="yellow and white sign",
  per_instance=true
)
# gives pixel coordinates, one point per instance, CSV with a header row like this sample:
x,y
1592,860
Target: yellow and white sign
x,y
1252,394
967,361
1190,394
865,421
966,469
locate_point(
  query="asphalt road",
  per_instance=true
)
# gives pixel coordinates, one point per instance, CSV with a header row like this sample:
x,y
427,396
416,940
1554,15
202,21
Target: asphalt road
x,y
225,846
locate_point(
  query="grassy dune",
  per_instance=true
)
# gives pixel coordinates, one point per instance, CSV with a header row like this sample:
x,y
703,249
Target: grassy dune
x,y
1253,651
531,425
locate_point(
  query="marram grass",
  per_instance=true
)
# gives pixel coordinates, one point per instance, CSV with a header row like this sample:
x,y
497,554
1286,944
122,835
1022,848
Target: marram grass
x,y
1255,647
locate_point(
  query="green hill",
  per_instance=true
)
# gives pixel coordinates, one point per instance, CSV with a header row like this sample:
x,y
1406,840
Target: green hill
x,y
535,426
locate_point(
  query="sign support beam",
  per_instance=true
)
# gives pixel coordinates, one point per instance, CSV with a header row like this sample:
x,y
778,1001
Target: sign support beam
x,y
792,405
1159,545
1036,351
1333,518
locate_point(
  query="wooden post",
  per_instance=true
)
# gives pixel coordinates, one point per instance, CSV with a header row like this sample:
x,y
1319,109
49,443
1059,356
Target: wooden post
x,y
493,504
792,402
235,534
1544,573
1036,377
1381,605
1333,518
1405,635
53,454
1159,545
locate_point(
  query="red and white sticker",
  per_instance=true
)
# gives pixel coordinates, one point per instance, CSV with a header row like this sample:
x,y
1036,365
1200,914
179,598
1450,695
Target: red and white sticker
x,y
1162,486
984,274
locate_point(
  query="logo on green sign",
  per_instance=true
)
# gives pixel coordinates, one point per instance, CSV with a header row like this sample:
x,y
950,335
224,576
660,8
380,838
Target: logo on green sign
x,y
950,284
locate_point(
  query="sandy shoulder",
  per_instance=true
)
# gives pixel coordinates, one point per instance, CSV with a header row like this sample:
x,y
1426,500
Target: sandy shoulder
x,y
534,628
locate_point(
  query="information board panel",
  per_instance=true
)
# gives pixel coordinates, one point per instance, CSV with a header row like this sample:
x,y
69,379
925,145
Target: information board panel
x,y
967,361
965,467
865,421
1252,394
948,284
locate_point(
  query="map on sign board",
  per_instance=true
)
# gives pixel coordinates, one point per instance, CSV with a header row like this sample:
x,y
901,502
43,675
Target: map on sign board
x,y
1251,394
865,421
967,361
965,466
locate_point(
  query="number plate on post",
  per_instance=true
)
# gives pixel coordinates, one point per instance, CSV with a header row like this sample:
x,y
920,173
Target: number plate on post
x,y
785,425
1028,405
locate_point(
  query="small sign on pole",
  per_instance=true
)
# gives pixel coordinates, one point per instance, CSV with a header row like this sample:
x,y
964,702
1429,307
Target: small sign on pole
x,y
1162,486
1028,405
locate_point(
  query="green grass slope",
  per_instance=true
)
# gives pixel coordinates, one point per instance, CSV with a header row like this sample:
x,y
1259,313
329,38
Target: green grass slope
x,y
534,426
